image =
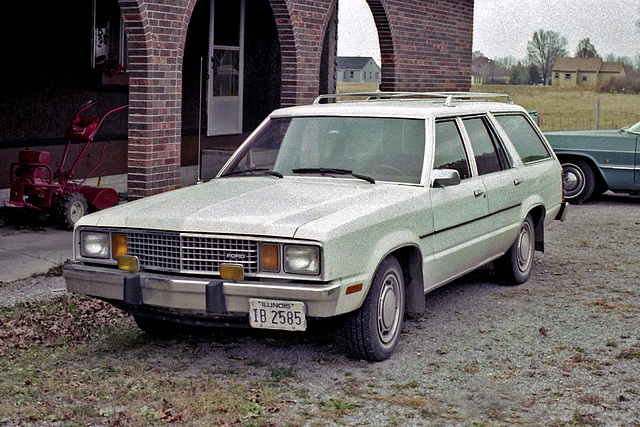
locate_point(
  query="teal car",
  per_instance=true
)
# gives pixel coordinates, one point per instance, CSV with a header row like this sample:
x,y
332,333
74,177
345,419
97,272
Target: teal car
x,y
598,160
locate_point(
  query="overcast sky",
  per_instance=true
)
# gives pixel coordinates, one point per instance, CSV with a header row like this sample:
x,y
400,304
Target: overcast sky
x,y
503,27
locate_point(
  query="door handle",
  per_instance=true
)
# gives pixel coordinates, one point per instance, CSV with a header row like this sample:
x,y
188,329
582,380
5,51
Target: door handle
x,y
517,181
478,193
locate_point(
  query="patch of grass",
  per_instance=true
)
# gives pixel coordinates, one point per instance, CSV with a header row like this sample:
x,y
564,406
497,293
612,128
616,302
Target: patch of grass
x,y
572,108
76,361
279,373
337,405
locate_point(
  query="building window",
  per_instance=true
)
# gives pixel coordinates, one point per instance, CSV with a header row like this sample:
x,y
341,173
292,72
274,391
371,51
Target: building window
x,y
109,47
567,76
557,75
584,77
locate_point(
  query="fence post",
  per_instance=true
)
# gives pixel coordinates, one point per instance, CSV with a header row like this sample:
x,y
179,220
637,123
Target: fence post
x,y
597,113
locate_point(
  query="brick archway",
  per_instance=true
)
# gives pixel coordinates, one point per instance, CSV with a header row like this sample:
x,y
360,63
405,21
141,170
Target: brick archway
x,y
385,39
288,51
156,34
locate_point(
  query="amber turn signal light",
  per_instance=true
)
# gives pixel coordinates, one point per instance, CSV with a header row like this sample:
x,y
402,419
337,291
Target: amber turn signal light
x,y
270,257
118,245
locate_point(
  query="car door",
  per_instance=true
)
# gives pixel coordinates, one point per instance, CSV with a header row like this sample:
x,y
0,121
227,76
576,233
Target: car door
x,y
502,182
459,211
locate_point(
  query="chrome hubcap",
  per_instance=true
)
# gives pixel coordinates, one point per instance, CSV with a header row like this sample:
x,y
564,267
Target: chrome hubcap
x,y
574,180
525,247
389,310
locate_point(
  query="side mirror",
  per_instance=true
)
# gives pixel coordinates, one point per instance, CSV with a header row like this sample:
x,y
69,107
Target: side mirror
x,y
445,177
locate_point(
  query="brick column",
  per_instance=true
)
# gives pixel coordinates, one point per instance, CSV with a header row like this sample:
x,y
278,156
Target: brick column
x,y
156,31
429,47
301,27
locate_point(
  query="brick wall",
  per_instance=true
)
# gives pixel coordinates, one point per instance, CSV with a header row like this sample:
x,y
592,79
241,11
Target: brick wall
x,y
425,44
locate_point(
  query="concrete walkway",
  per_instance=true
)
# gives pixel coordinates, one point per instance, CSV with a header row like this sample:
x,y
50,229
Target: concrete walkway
x,y
24,253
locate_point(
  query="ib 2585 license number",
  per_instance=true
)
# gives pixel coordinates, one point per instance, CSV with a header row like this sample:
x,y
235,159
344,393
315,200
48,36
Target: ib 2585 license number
x,y
272,314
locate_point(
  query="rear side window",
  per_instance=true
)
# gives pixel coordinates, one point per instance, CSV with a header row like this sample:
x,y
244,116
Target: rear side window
x,y
524,138
489,154
449,150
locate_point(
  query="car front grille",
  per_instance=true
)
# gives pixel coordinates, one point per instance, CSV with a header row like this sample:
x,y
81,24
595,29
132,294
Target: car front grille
x,y
189,253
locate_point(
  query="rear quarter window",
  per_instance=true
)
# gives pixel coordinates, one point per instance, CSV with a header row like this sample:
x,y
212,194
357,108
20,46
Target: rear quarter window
x,y
524,137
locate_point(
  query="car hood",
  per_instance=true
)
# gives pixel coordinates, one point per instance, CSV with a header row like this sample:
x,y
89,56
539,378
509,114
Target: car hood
x,y
259,206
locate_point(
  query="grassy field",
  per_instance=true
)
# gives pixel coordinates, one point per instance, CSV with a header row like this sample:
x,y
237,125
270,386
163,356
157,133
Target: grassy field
x,y
356,87
558,108
572,108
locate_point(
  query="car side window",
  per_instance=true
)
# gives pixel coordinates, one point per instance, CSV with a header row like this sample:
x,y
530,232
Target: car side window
x,y
524,137
449,149
489,154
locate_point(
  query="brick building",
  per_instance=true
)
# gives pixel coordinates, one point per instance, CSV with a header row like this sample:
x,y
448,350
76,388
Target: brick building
x,y
256,55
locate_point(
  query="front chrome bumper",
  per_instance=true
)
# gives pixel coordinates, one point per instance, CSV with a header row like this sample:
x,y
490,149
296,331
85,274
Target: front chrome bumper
x,y
201,296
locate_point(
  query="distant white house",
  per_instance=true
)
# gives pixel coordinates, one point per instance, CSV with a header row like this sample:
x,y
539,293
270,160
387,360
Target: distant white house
x,y
357,69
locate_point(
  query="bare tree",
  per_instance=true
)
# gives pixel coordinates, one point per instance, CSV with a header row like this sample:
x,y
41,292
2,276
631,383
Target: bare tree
x,y
586,49
543,50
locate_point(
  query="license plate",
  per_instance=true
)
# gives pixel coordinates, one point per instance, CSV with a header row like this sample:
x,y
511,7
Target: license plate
x,y
283,315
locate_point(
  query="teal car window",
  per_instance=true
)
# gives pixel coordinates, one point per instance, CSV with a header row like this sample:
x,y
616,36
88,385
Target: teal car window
x,y
634,129
525,139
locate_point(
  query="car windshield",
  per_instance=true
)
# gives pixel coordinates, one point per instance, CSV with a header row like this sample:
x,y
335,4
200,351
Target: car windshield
x,y
381,149
634,129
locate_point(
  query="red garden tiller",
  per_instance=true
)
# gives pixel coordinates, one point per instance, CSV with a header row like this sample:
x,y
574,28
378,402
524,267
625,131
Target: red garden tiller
x,y
35,186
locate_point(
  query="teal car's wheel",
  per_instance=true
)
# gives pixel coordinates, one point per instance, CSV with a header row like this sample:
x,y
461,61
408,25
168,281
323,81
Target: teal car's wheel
x,y
579,181
372,331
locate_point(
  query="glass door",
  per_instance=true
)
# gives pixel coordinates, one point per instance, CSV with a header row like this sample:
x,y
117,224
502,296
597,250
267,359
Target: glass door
x,y
226,61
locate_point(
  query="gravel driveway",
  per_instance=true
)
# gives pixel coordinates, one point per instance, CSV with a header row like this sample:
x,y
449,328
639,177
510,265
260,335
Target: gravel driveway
x,y
563,349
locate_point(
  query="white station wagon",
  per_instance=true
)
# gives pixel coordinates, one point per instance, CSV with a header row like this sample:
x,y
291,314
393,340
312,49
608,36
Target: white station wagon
x,y
353,209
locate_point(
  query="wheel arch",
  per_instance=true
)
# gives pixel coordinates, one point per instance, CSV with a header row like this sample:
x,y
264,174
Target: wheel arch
x,y
410,259
538,214
600,177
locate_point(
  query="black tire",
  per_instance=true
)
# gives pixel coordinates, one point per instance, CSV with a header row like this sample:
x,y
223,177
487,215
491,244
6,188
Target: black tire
x,y
157,328
70,208
579,181
514,267
372,331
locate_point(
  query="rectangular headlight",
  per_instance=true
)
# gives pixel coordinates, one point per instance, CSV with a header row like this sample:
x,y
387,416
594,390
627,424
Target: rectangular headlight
x,y
299,259
94,244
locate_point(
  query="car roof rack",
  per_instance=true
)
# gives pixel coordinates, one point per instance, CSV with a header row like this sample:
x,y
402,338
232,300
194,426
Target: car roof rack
x,y
447,97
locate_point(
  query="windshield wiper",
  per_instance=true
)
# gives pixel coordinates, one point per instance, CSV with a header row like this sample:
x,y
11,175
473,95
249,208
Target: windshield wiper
x,y
265,171
336,172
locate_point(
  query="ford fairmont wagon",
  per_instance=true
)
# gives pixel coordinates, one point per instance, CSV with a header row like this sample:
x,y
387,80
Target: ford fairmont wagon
x,y
353,209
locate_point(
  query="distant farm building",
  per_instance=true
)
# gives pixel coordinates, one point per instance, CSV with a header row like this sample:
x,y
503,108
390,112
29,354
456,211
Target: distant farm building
x,y
585,72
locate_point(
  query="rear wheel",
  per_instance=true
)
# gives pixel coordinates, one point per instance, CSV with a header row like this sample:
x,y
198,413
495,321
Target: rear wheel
x,y
372,331
579,181
70,208
514,267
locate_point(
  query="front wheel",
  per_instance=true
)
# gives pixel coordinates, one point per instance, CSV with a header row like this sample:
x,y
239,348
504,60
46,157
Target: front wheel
x,y
372,331
579,181
514,267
